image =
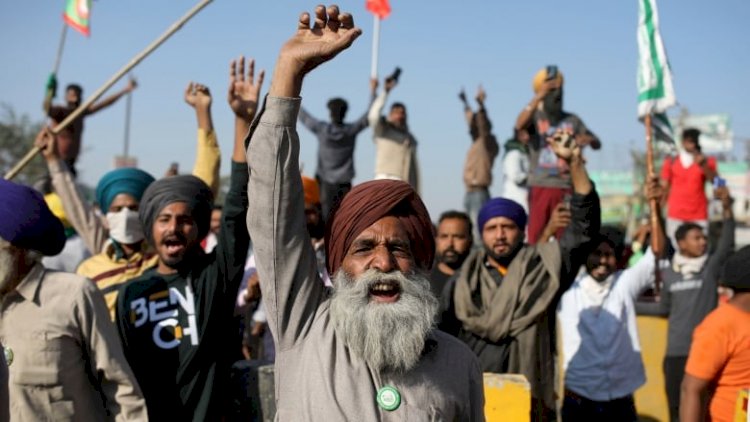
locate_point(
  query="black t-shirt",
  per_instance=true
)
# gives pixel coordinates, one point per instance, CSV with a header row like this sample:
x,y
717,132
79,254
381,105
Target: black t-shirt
x,y
177,329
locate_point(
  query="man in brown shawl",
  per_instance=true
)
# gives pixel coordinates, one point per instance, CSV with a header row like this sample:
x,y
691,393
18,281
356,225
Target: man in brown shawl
x,y
502,302
365,350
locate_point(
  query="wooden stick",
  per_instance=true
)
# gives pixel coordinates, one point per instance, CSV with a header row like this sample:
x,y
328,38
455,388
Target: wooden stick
x,y
133,62
657,240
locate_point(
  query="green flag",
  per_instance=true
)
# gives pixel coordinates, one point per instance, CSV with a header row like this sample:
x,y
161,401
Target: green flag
x,y
655,91
662,128
77,15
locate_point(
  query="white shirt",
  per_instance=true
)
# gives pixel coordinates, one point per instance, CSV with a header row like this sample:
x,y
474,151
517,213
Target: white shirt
x,y
601,351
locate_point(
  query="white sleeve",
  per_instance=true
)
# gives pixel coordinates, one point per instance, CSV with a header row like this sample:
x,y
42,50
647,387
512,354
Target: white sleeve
x,y
638,277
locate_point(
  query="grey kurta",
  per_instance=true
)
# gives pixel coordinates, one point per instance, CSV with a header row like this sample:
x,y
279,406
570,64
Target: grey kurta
x,y
317,377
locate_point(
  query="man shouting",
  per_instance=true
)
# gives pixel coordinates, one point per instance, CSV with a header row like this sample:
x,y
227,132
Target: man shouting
x,y
365,350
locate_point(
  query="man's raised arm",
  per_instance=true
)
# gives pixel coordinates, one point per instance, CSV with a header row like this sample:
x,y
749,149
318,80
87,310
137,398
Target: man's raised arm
x,y
243,96
80,213
286,262
233,241
98,106
584,207
376,107
207,153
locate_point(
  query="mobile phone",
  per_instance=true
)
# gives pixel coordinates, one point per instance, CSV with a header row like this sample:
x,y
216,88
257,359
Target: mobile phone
x,y
719,182
551,72
395,75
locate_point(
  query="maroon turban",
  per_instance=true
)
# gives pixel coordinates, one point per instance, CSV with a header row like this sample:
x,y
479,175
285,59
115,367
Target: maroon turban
x,y
368,203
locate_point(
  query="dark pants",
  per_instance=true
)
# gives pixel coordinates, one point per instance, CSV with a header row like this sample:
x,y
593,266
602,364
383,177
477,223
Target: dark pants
x,y
331,194
579,408
244,392
542,201
674,371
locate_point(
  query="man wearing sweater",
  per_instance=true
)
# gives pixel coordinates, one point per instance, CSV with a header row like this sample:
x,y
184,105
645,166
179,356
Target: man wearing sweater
x,y
690,293
395,146
336,141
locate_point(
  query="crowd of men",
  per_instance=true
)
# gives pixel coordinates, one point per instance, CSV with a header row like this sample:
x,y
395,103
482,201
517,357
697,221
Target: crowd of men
x,y
159,304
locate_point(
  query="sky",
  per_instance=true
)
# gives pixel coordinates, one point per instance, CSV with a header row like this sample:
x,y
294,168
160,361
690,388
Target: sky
x,y
441,46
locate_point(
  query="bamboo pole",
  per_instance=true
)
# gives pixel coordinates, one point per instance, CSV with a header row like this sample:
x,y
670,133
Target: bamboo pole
x,y
657,240
124,70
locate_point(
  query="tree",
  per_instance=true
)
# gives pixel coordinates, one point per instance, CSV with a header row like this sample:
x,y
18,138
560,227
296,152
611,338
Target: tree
x,y
16,139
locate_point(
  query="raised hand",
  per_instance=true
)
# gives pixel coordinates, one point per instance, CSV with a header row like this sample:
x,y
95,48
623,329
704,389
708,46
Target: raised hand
x,y
132,85
481,95
548,86
244,92
653,189
389,84
197,95
564,145
46,141
331,33
722,194
373,86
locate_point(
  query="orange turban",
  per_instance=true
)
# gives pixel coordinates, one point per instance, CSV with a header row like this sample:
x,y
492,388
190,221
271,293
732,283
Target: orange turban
x,y
541,76
369,202
311,189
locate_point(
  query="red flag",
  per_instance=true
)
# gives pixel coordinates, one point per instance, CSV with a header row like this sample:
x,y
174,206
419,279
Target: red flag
x,y
379,8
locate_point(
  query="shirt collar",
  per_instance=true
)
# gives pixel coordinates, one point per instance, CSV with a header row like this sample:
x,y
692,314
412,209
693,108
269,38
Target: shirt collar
x,y
30,283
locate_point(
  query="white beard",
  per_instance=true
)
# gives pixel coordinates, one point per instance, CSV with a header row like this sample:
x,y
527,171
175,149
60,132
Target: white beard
x,y
388,336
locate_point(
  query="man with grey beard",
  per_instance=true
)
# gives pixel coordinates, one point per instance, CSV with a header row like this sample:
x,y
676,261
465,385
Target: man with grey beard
x,y
365,350
63,357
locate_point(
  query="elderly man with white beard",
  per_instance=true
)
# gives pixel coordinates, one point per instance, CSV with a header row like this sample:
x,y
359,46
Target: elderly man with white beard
x,y
365,350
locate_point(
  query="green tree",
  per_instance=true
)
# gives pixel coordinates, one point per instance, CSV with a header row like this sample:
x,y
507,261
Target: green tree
x,y
17,134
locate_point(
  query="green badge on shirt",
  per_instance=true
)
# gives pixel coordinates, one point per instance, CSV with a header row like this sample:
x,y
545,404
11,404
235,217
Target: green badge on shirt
x,y
388,398
8,355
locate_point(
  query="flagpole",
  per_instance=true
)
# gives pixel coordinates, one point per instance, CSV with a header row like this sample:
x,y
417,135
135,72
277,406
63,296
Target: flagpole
x,y
51,93
375,44
125,69
60,47
657,240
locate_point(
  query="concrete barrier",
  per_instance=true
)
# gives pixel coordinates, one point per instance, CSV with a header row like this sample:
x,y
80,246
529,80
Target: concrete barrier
x,y
507,397
651,399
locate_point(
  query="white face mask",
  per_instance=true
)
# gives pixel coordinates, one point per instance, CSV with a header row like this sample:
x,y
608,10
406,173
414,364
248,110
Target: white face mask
x,y
125,227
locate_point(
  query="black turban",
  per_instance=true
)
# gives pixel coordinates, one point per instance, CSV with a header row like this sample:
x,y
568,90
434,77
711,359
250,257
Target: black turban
x,y
737,270
184,188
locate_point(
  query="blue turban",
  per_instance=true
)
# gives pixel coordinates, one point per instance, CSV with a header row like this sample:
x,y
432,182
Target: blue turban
x,y
26,221
502,207
125,180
